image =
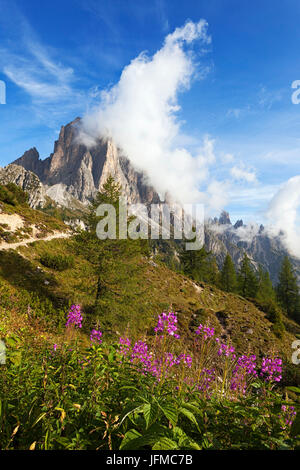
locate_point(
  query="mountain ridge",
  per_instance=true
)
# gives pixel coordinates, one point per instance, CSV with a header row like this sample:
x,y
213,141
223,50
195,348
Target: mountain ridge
x,y
75,172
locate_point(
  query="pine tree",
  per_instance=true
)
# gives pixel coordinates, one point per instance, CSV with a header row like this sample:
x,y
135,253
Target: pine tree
x,y
247,280
228,275
287,289
199,265
112,259
212,274
267,302
190,261
265,291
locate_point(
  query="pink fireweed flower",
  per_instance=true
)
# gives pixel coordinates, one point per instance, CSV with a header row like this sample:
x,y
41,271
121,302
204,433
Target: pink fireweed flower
x,y
226,350
186,358
74,317
124,345
95,336
206,379
167,321
244,370
205,331
287,416
271,369
141,354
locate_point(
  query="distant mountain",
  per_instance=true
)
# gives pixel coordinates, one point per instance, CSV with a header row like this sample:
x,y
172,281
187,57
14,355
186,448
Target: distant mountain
x,y
222,237
74,172
79,171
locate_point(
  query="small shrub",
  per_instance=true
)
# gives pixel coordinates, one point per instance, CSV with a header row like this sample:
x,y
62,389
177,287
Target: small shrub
x,y
57,262
12,194
274,315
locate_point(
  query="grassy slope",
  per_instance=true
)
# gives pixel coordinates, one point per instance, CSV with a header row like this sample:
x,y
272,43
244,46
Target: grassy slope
x,y
43,223
151,288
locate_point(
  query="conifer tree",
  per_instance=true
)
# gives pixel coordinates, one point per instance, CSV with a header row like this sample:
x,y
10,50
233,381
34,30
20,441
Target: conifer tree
x,y
200,265
228,275
112,259
287,289
247,280
265,291
212,275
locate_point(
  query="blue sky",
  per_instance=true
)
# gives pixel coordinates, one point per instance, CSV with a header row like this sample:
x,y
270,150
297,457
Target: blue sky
x,y
55,57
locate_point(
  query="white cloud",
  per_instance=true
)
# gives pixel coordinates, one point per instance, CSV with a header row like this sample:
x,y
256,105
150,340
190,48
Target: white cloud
x,y
140,114
37,74
247,232
283,214
240,174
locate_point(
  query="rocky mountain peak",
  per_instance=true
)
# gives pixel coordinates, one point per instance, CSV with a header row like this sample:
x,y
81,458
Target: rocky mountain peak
x,y
224,218
239,223
30,160
82,171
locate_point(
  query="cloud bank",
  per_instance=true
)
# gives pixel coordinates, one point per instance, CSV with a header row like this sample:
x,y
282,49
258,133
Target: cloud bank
x,y
140,114
283,215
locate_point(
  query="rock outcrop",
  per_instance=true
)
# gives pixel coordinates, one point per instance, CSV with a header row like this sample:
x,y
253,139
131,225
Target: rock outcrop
x,y
27,180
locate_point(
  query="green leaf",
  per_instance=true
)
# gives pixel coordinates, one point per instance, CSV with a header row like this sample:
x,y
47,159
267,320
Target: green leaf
x,y
39,419
165,444
188,414
129,410
294,389
131,435
170,412
256,385
111,355
130,442
151,413
192,407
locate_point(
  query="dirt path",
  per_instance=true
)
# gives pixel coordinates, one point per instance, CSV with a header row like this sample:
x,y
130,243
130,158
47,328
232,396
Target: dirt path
x,y
13,246
14,221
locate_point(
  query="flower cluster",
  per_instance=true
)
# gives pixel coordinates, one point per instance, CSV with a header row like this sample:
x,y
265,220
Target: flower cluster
x,y
288,415
225,349
157,365
95,336
74,317
271,369
124,345
186,358
205,331
206,379
168,321
141,355
162,363
245,368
